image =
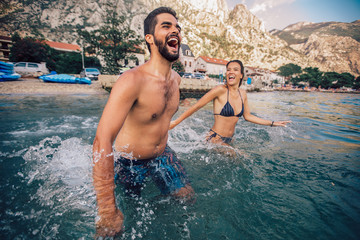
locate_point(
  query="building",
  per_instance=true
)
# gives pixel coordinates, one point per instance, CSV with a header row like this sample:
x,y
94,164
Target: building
x,y
139,59
187,58
261,77
5,44
210,65
280,80
64,47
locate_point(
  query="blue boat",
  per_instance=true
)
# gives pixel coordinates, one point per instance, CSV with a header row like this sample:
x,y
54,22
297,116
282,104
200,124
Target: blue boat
x,y
64,78
6,66
7,72
9,77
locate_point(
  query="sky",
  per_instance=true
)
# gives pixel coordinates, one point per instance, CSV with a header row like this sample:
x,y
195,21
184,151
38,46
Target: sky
x,y
280,13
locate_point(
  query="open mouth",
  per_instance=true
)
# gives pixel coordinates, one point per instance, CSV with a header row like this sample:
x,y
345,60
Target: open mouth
x,y
231,77
172,42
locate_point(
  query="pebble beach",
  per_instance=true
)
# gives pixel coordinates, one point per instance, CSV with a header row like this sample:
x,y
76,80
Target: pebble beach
x,y
30,86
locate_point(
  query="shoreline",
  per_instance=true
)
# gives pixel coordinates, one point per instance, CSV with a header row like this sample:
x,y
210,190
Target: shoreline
x,y
311,91
35,86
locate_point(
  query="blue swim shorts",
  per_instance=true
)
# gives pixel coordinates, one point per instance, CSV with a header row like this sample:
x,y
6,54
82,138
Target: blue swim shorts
x,y
165,170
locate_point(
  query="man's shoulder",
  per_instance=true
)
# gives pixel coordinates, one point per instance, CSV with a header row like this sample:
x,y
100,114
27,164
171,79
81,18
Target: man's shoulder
x,y
176,76
131,77
130,82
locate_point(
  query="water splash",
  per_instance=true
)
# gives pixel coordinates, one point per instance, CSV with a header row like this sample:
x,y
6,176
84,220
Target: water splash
x,y
60,171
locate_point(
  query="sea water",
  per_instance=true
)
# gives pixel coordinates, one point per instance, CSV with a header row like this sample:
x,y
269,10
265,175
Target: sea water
x,y
298,182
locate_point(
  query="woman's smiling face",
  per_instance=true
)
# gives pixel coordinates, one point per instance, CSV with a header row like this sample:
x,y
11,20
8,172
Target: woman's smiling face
x,y
233,74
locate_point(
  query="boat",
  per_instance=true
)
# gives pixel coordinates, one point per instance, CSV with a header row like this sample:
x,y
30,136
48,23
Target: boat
x,y
64,78
7,72
9,77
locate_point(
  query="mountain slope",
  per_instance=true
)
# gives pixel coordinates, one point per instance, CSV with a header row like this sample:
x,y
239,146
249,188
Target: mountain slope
x,y
333,46
209,28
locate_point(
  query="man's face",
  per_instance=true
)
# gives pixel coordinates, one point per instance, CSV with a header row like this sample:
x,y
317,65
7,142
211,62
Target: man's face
x,y
167,36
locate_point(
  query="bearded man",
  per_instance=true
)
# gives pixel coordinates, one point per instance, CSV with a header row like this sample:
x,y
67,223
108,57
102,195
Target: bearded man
x,y
136,120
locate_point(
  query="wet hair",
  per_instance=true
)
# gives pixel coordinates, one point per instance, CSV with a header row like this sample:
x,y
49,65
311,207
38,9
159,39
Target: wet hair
x,y
151,20
242,68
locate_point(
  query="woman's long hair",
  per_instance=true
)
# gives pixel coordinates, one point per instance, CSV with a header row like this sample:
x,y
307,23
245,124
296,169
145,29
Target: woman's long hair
x,y
241,66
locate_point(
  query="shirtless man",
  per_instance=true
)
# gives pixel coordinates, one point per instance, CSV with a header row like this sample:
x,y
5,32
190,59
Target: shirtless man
x,y
137,117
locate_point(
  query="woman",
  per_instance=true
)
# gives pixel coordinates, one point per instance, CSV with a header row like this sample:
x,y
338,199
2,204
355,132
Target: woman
x,y
229,103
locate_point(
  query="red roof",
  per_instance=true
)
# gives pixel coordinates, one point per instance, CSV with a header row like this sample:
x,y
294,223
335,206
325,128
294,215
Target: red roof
x,y
63,46
214,60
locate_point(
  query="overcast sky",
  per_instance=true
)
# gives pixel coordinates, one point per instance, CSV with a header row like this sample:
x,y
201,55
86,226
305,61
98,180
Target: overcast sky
x,y
281,13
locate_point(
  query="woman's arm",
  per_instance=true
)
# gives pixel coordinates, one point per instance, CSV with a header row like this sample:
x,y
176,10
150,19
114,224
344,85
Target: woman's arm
x,y
251,118
212,94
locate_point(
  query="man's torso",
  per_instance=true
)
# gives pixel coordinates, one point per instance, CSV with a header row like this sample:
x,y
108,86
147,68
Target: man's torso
x,y
145,130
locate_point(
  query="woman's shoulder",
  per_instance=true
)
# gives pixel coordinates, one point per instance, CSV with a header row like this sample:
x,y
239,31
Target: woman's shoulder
x,y
243,92
220,88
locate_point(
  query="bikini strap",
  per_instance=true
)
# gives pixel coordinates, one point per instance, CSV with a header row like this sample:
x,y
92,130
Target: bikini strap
x,y
242,101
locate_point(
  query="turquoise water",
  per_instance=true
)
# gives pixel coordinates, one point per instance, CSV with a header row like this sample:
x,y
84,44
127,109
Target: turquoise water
x,y
298,182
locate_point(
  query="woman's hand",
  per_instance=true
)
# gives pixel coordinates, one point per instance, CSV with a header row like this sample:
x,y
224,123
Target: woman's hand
x,y
172,125
280,123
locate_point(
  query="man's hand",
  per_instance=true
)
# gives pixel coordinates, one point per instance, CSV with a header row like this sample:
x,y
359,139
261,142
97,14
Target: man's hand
x,y
110,225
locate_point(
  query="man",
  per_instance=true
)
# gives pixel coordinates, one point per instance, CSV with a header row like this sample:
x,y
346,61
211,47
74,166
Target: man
x,y
137,117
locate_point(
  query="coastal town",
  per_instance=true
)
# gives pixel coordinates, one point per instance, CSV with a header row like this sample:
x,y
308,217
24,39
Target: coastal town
x,y
200,75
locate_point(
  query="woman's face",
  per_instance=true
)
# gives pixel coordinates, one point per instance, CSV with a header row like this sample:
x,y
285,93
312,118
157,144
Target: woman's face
x,y
233,74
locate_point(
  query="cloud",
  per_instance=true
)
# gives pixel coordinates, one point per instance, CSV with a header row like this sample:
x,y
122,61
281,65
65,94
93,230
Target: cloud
x,y
259,6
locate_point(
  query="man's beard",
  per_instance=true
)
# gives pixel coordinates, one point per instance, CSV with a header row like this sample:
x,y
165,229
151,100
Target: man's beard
x,y
165,52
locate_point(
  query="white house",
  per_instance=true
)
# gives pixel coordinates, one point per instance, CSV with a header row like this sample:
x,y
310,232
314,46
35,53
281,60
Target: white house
x,y
261,77
187,58
140,59
210,65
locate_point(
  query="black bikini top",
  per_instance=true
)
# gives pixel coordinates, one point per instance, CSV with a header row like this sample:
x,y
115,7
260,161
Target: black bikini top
x,y
228,111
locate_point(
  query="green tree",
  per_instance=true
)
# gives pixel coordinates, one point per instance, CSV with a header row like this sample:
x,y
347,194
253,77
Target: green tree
x,y
296,81
344,80
289,70
28,50
114,41
71,62
357,83
178,66
328,79
313,76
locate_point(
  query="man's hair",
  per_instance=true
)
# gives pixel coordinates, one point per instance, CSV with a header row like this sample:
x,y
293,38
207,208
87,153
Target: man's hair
x,y
242,69
151,20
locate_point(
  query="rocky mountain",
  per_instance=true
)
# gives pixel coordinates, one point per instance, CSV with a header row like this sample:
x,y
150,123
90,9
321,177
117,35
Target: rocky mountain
x,y
333,46
209,28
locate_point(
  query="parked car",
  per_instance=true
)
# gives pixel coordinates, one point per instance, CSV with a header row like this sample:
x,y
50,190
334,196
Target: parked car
x,y
188,75
24,68
92,73
123,69
199,76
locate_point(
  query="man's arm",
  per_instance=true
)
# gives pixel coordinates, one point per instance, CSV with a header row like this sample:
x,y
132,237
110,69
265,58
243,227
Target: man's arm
x,y
122,97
